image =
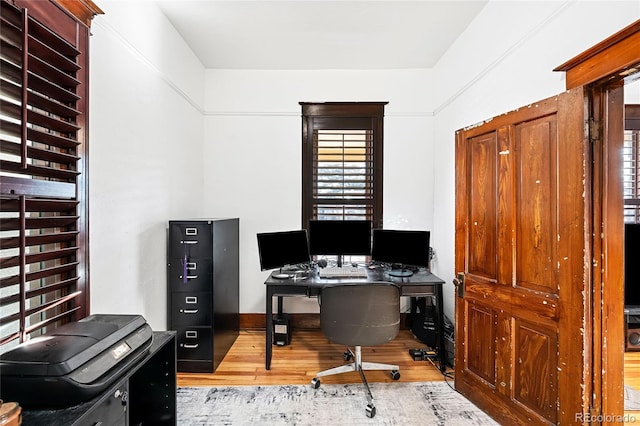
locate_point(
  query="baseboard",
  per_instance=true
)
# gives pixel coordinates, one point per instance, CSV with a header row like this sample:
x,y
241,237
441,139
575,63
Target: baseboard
x,y
297,321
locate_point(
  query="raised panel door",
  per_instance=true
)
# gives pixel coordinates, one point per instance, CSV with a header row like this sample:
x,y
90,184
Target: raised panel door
x,y
521,236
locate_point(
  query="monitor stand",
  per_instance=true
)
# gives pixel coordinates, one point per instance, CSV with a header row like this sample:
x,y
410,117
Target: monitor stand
x,y
400,272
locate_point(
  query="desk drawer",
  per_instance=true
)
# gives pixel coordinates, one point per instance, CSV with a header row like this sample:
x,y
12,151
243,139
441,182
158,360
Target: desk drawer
x,y
417,290
195,343
199,275
191,309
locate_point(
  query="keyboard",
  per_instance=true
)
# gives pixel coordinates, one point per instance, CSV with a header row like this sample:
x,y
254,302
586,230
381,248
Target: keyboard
x,y
343,272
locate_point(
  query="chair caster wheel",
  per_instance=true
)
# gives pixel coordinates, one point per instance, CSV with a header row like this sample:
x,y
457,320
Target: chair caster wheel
x,y
315,383
395,374
371,411
347,356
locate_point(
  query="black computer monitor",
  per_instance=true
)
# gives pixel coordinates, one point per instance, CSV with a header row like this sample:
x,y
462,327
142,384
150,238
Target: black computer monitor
x,y
280,249
340,237
401,248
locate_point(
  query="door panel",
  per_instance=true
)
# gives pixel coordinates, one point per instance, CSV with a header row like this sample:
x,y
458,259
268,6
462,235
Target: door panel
x,y
535,204
481,360
482,235
535,386
522,246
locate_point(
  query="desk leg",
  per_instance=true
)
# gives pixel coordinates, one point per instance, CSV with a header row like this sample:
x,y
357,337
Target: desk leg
x,y
442,349
269,328
280,307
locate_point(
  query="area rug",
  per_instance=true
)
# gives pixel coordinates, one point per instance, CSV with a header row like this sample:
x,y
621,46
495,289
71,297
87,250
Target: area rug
x,y
631,399
428,403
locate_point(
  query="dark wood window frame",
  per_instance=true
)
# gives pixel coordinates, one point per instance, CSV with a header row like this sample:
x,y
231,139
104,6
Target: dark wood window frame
x,y
44,249
339,119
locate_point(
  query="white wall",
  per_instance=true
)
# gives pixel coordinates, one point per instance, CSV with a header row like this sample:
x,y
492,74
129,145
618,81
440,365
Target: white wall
x,y
524,42
252,153
145,154
169,140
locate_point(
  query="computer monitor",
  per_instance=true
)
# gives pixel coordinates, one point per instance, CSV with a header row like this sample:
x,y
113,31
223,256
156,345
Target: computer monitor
x,y
340,237
401,248
280,249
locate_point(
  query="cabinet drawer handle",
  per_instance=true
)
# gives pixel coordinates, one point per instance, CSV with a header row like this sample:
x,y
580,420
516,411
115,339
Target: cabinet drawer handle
x,y
189,346
190,277
188,241
189,311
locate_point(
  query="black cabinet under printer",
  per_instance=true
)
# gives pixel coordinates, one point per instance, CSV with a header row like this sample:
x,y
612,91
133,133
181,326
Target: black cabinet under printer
x,y
104,369
202,290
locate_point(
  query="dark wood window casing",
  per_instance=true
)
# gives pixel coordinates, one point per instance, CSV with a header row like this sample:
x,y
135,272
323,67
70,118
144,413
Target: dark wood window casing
x,y
44,268
342,159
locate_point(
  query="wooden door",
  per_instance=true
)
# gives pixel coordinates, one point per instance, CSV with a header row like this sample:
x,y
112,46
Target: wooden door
x,y
522,249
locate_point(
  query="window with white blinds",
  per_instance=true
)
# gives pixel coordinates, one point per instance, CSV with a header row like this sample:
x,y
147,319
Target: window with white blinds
x,y
343,179
342,161
631,176
631,163
43,213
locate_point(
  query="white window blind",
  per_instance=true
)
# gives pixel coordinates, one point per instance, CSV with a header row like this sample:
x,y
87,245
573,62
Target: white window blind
x,y
343,174
631,176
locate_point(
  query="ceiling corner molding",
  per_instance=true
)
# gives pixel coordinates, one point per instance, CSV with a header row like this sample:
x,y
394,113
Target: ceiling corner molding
x,y
507,53
252,113
145,61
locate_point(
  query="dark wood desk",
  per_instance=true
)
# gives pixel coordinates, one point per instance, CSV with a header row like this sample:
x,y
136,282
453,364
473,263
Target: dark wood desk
x,y
419,284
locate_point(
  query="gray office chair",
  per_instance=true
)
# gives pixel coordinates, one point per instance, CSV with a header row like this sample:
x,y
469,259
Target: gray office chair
x,y
360,315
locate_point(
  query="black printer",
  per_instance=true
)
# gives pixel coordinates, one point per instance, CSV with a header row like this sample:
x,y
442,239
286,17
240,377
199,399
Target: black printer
x,y
74,362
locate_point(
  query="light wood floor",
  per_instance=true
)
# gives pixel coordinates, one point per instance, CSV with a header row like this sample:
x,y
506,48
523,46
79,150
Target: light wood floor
x,y
310,352
632,378
632,369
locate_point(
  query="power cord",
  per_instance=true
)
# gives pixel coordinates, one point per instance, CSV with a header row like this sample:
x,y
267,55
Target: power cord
x,y
431,356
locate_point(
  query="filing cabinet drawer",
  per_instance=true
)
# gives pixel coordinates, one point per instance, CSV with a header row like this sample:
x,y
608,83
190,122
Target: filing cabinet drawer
x,y
199,275
190,239
191,309
194,343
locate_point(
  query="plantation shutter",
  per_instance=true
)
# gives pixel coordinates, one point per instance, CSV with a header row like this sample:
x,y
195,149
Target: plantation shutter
x,y
43,158
631,164
343,171
342,161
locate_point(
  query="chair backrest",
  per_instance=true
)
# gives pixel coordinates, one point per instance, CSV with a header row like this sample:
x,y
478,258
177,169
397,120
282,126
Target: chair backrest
x,y
360,314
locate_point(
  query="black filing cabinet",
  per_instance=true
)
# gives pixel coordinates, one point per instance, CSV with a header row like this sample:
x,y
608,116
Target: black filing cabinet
x,y
202,290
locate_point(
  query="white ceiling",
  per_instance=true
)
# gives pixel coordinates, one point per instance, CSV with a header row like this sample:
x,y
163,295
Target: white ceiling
x,y
320,34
